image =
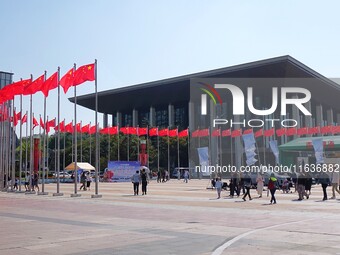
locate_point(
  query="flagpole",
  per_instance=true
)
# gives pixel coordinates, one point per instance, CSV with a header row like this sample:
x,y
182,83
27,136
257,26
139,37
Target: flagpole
x,y
58,148
64,154
20,157
26,150
147,144
40,158
157,151
188,149
178,159
137,143
7,151
90,145
75,142
97,134
118,146
128,147
108,149
221,152
168,152
13,149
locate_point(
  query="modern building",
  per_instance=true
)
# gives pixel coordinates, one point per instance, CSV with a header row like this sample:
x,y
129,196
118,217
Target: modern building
x,y
5,79
168,103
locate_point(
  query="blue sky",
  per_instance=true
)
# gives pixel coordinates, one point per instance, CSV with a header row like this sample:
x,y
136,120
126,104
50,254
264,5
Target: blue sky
x,y
140,41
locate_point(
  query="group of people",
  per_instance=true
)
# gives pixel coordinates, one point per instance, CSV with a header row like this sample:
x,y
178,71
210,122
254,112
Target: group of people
x,y
302,185
140,177
163,176
85,180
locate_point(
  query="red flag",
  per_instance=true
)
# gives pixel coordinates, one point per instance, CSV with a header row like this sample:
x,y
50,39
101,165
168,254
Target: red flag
x,y
236,133
163,132
34,86
195,133
326,130
313,130
42,123
85,129
269,132
336,129
78,128
92,130
104,131
24,119
14,89
184,133
132,131
50,124
302,131
67,80
35,123
226,132
204,132
83,73
61,126
291,131
281,132
69,127
259,133
173,132
248,131
142,131
49,84
113,130
153,132
216,132
15,119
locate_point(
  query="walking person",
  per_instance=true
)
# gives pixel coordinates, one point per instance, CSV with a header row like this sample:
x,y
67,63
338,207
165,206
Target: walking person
x,y
144,178
218,186
272,188
246,185
335,184
159,176
259,184
83,181
186,176
136,180
301,182
324,181
88,181
35,181
308,184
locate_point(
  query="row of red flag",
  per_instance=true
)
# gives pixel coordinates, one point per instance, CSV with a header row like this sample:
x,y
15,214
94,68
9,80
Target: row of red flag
x,y
29,87
269,132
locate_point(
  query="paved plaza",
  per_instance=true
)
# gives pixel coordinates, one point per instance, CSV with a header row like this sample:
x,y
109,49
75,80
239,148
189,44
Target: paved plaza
x,y
173,218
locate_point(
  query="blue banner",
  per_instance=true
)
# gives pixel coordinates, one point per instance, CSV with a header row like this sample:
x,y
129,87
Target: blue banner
x,y
275,150
203,154
123,170
318,148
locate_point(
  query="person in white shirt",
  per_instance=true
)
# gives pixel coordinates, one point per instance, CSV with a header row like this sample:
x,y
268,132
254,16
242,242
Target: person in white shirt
x,y
218,186
259,184
136,180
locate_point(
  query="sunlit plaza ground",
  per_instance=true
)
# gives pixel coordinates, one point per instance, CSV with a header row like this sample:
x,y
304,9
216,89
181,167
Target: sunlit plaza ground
x,y
173,218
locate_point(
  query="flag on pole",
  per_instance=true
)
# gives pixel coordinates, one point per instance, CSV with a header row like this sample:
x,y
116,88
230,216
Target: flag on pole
x,y
14,89
69,128
258,133
313,130
195,133
281,132
153,131
326,130
49,84
50,124
84,73
203,132
184,133
34,86
67,80
236,133
226,132
269,132
24,119
42,123
61,126
216,133
173,132
35,123
163,132
302,131
291,131
142,131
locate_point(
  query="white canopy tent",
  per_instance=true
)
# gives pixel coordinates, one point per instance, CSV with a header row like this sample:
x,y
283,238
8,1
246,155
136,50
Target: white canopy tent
x,y
80,166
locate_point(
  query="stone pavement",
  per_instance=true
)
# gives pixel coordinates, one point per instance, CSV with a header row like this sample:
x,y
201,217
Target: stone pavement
x,y
174,218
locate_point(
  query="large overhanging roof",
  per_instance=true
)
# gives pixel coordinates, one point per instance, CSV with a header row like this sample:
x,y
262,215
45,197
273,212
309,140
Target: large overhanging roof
x,y
176,90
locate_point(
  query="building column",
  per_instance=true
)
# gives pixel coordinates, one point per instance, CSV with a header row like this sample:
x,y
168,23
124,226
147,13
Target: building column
x,y
119,119
113,122
338,118
308,119
330,119
191,114
134,118
105,120
171,115
319,116
152,117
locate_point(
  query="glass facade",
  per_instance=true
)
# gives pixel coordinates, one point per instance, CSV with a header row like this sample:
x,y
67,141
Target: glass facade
x,y
5,78
162,117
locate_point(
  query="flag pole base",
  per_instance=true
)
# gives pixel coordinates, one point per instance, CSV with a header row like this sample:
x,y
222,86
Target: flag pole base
x,y
58,194
75,195
29,192
42,193
96,196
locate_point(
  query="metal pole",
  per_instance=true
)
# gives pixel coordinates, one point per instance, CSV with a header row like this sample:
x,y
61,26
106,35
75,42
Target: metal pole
x,y
13,150
97,134
20,157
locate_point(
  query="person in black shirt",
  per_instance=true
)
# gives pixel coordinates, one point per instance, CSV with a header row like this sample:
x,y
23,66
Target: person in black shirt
x,y
144,178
